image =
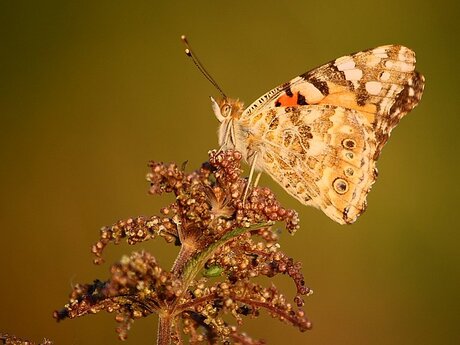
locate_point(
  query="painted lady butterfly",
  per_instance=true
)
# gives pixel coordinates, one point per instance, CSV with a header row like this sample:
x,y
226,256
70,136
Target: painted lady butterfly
x,y
320,134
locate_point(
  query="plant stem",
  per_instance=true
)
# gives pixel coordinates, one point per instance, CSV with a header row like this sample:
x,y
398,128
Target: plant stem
x,y
196,263
185,254
187,266
164,330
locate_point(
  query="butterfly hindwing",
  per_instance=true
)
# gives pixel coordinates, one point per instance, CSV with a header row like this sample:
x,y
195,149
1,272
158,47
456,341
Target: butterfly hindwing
x,y
322,155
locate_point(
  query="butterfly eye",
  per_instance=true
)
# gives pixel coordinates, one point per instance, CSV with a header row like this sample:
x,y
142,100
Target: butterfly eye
x,y
226,110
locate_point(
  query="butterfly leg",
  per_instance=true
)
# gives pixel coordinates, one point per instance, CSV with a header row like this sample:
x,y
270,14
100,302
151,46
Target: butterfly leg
x,y
256,182
251,174
224,145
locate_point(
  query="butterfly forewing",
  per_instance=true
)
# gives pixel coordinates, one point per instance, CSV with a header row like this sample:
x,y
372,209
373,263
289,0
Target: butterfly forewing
x,y
320,134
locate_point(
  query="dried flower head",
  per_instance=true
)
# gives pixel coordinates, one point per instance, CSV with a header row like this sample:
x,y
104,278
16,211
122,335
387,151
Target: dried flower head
x,y
220,235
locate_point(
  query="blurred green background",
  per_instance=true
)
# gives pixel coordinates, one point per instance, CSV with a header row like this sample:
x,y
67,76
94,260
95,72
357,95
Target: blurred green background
x,y
92,90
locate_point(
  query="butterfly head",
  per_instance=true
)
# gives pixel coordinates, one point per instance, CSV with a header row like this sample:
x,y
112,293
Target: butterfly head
x,y
227,109
228,112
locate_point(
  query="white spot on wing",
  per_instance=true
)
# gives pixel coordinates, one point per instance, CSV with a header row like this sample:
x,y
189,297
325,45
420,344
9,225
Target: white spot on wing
x,y
385,76
344,63
399,66
381,52
372,60
311,93
353,74
373,87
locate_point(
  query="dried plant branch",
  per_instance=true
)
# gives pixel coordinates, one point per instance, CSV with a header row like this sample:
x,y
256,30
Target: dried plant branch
x,y
220,234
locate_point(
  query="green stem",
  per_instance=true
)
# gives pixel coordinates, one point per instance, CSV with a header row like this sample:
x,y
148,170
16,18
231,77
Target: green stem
x,y
196,263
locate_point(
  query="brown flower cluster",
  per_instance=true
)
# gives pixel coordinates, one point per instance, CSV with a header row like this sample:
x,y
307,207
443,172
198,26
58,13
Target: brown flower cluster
x,y
8,339
225,241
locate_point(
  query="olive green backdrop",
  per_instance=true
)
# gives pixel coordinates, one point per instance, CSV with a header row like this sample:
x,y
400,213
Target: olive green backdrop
x,y
92,90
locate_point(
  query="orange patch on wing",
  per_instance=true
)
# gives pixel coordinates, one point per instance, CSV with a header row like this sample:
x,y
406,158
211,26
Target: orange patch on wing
x,y
286,101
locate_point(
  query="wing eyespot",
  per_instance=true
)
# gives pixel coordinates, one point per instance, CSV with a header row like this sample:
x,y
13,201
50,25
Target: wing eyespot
x,y
349,172
349,143
349,155
340,185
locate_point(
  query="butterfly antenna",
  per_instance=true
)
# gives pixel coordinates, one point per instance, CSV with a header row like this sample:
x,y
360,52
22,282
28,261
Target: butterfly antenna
x,y
189,52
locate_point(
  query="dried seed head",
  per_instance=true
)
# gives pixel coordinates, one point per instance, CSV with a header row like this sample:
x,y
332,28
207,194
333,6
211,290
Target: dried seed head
x,y
215,228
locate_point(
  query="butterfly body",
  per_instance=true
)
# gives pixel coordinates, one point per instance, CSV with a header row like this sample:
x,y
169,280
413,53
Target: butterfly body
x,y
320,134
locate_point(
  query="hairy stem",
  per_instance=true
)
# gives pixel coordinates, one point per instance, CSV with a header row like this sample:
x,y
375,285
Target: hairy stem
x,y
164,330
184,256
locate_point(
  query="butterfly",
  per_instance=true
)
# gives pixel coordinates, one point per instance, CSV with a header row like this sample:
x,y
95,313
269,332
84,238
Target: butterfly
x,y
320,134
